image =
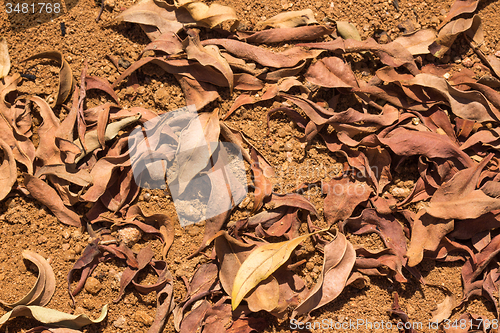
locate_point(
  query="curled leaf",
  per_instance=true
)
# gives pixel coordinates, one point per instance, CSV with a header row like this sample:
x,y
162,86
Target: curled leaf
x,y
51,316
92,137
44,193
66,82
347,30
209,16
289,19
337,265
45,285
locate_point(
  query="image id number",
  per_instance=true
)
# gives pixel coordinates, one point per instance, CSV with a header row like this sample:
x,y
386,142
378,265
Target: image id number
x,y
33,8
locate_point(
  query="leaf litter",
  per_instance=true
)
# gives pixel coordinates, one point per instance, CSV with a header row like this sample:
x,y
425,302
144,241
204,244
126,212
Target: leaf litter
x,y
406,111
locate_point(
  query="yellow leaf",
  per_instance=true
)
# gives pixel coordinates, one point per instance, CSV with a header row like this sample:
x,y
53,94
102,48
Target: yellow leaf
x,y
260,264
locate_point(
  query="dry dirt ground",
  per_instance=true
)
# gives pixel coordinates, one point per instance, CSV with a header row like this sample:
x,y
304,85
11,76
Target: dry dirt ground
x,y
24,224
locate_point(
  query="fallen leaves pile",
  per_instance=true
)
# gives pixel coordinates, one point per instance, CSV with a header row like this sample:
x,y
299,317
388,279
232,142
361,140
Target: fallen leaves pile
x,y
446,122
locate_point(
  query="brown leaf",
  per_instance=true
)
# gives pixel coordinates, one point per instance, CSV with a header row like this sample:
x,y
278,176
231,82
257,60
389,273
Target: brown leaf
x,y
460,7
342,197
208,16
470,105
8,170
289,19
168,42
94,82
494,63
263,185
92,139
15,125
191,69
4,58
386,226
46,195
208,56
279,35
331,72
288,58
392,54
338,262
166,18
199,94
427,232
45,285
405,142
450,32
417,42
143,258
86,263
66,82
458,198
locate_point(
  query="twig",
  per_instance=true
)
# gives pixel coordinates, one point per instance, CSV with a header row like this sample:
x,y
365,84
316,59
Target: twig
x,y
100,12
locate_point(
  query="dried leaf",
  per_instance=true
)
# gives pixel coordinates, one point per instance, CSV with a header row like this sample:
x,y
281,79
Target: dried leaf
x,y
444,309
197,93
305,33
289,19
471,105
50,316
460,7
458,198
347,30
197,142
338,262
342,197
45,285
450,32
8,170
260,264
427,233
208,56
417,42
405,142
331,72
263,185
66,81
392,54
209,16
4,58
288,58
92,138
46,195
167,19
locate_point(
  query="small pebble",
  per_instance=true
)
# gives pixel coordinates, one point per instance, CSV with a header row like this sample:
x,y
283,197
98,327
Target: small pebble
x,y
309,266
147,196
120,322
289,146
143,318
124,63
467,62
66,234
92,285
69,255
129,235
65,247
78,249
497,53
